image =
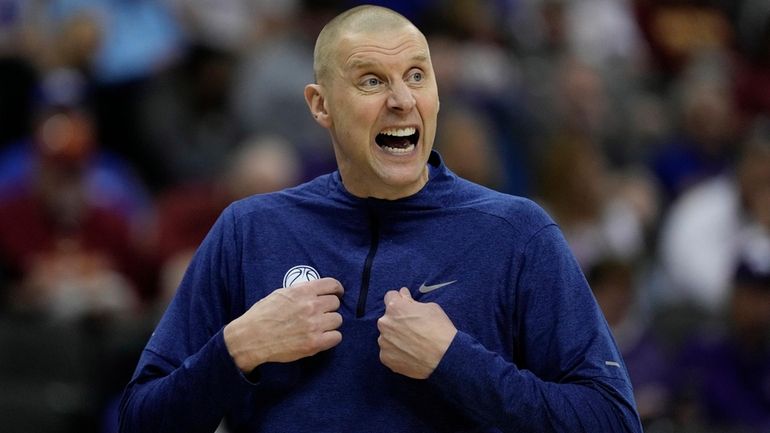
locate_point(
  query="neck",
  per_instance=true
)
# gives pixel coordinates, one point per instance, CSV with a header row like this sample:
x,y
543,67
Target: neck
x,y
358,187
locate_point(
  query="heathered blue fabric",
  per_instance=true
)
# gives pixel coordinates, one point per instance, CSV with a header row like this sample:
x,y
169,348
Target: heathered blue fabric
x,y
531,354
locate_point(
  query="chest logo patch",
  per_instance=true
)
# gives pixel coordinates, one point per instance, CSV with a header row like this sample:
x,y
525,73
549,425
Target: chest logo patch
x,y
427,289
300,274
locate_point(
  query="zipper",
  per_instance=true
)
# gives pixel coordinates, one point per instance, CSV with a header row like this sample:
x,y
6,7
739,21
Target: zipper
x,y
366,276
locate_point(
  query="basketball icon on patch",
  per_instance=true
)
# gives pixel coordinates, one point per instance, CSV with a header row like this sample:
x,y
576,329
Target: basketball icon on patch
x,y
300,274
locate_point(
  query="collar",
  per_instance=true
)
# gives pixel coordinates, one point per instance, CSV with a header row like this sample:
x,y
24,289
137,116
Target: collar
x,y
435,194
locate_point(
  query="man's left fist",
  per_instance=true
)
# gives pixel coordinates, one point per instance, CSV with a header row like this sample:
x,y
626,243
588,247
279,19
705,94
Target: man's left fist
x,y
413,335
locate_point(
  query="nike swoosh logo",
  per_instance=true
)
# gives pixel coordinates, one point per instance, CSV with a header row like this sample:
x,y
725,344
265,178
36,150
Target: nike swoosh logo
x,y
428,289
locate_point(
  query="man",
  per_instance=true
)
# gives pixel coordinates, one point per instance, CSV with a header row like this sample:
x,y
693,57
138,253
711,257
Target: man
x,y
445,306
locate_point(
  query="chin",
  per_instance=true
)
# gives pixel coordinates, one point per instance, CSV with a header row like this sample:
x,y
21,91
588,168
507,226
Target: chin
x,y
404,178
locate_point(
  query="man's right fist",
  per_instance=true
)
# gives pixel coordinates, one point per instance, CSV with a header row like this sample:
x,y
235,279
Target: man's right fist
x,y
288,324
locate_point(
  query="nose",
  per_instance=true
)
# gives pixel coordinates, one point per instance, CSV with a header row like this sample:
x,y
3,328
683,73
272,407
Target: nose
x,y
401,98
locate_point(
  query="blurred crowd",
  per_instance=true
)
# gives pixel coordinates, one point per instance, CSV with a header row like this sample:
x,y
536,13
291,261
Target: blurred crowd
x,y
642,126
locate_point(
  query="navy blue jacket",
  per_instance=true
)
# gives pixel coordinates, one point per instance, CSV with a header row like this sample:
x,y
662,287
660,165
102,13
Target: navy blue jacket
x,y
533,352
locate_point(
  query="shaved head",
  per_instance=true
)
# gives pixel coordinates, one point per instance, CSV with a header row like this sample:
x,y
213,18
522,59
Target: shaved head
x,y
376,93
366,18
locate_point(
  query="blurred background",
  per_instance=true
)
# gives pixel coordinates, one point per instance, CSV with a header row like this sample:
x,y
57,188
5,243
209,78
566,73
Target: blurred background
x,y
642,126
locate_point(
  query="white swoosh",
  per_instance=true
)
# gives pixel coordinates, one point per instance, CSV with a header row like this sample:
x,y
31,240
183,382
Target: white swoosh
x,y
427,289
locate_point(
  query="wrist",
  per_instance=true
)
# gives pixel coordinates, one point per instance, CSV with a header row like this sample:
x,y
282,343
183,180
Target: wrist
x,y
234,341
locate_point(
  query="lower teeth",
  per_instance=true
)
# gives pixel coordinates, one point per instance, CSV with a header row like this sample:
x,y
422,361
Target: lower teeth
x,y
399,150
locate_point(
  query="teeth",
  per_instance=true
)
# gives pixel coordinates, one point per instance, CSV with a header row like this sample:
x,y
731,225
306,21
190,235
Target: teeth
x,y
407,149
400,132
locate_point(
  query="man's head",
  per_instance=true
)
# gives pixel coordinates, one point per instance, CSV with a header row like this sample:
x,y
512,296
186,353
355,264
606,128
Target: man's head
x,y
64,145
376,92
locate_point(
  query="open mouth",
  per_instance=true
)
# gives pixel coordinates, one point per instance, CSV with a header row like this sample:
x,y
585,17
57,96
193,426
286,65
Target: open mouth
x,y
398,140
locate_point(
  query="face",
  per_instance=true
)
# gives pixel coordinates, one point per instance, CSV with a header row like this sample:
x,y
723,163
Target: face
x,y
380,104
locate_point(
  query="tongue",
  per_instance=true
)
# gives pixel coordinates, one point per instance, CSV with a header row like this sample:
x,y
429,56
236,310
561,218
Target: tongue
x,y
391,141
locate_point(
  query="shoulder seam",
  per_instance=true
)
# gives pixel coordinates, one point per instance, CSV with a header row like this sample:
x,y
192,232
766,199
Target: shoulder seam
x,y
537,232
509,223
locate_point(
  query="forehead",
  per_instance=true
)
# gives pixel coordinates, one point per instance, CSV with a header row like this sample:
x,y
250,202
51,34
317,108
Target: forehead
x,y
362,49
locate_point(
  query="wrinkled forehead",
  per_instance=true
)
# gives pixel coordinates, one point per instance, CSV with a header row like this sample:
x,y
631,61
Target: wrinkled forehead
x,y
357,49
370,26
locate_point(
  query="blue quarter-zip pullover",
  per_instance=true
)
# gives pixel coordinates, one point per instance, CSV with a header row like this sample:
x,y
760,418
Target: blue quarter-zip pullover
x,y
533,352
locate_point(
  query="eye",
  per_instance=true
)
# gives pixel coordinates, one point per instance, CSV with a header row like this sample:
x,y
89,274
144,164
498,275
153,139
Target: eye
x,y
370,81
416,76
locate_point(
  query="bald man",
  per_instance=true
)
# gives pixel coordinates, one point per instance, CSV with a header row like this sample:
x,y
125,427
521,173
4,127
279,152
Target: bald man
x,y
388,296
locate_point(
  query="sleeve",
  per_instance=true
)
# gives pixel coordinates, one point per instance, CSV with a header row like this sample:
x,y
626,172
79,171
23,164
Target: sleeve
x,y
185,378
567,374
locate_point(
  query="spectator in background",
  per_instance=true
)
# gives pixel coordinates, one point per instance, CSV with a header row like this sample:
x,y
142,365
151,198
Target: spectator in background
x,y
468,148
137,39
65,79
478,73
704,228
188,117
29,46
267,78
68,256
230,25
583,106
600,77
601,213
574,98
678,30
109,180
588,22
185,213
726,373
705,143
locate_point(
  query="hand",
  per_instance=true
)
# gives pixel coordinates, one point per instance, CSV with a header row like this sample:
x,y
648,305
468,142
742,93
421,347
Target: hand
x,y
288,324
413,336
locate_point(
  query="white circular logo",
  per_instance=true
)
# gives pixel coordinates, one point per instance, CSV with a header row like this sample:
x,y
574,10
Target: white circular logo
x,y
299,274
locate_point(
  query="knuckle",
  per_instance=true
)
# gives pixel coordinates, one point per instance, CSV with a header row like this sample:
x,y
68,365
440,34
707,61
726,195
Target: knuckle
x,y
304,289
315,304
312,344
384,358
337,337
303,323
314,327
308,307
382,324
331,282
304,311
337,319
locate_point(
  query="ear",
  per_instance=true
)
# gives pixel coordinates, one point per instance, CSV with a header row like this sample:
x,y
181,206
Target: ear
x,y
317,104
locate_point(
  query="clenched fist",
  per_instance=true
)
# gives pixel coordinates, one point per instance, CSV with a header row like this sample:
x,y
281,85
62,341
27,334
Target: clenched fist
x,y
413,335
288,324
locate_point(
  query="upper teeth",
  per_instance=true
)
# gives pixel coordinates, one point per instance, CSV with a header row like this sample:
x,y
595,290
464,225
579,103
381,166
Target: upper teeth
x,y
400,132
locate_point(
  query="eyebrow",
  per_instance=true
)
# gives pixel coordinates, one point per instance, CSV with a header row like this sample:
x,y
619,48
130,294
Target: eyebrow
x,y
365,64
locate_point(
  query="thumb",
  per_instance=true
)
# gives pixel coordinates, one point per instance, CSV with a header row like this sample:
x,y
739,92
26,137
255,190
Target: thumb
x,y
391,296
406,293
